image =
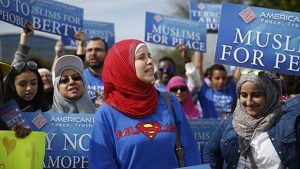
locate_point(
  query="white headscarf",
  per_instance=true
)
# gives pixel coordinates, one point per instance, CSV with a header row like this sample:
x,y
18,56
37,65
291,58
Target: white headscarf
x,y
64,105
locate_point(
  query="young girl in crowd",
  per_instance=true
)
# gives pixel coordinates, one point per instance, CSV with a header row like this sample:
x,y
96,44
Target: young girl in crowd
x,y
260,134
23,83
178,86
134,128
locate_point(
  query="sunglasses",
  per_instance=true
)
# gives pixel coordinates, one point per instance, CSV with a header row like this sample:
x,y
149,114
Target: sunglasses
x,y
175,89
252,71
66,79
20,65
167,68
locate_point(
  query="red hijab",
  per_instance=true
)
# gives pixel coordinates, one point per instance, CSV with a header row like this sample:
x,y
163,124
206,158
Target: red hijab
x,y
123,90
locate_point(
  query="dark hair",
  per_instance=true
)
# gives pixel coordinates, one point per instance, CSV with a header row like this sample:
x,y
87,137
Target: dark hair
x,y
10,90
291,84
100,39
166,58
207,72
216,67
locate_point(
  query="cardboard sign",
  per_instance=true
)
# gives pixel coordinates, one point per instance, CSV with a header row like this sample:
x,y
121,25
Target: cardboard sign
x,y
56,17
172,31
25,153
259,38
94,29
208,13
16,12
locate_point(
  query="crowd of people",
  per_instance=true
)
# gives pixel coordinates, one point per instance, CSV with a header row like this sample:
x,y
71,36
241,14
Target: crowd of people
x,y
120,87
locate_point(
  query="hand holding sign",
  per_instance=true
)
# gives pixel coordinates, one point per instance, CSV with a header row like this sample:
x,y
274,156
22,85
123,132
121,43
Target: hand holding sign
x,y
21,130
27,31
58,48
80,36
184,53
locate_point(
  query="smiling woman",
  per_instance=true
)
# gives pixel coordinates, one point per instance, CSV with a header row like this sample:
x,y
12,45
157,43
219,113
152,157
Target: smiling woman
x,y
261,133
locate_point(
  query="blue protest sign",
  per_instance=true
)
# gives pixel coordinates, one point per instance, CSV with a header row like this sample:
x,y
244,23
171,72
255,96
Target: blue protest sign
x,y
67,139
259,38
208,13
10,113
94,29
68,136
203,166
203,129
56,17
171,31
16,12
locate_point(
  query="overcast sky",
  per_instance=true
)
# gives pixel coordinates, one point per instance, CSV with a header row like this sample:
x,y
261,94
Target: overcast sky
x,y
128,16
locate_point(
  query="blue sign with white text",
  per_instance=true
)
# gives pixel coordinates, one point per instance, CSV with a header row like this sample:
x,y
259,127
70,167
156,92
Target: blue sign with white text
x,y
259,38
208,13
94,29
10,114
172,31
68,136
56,17
67,139
203,130
16,12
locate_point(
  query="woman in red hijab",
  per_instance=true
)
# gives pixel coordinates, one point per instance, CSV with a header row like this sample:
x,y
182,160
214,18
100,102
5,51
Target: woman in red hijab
x,y
135,128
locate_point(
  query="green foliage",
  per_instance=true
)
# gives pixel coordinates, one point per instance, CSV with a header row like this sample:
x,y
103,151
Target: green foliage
x,y
175,55
290,5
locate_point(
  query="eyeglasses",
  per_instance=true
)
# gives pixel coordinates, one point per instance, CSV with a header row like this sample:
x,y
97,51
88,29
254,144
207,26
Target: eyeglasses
x,y
66,79
253,71
181,88
20,65
168,68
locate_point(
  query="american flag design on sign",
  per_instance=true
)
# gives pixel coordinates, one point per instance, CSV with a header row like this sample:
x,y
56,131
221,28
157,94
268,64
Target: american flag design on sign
x,y
157,18
39,121
247,15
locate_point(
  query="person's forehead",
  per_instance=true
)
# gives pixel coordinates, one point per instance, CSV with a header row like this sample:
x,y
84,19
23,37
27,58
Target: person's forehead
x,y
249,85
165,62
95,43
219,73
45,74
69,72
27,74
142,49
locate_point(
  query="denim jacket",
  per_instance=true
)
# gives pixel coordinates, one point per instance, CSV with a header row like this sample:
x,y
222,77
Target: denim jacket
x,y
223,147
